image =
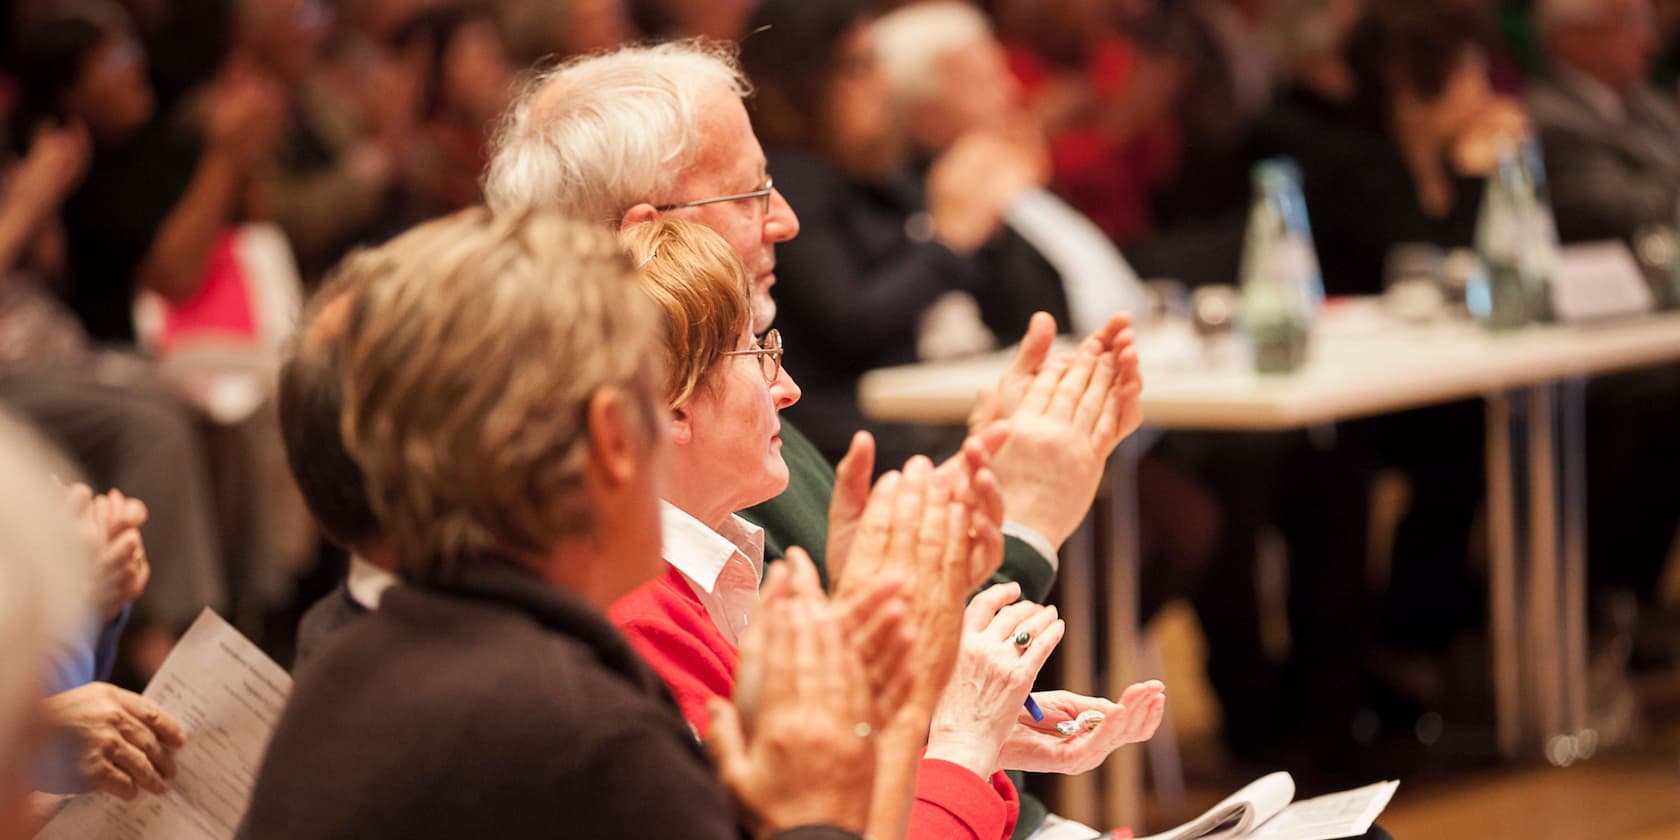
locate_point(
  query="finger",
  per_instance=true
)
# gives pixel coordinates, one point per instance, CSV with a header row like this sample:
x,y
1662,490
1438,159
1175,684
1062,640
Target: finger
x,y
1043,388
1035,346
985,409
107,777
1004,623
985,551
863,615
1074,383
851,480
1121,409
988,496
1037,622
1043,644
802,574
984,607
875,528
140,735
154,717
980,447
1109,334
725,742
1095,398
133,761
895,660
908,507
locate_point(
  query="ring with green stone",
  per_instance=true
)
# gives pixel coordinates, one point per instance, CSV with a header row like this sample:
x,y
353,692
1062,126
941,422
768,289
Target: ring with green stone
x,y
1022,639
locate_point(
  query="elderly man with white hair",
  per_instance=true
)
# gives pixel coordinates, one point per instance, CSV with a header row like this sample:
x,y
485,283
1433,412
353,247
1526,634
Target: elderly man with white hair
x,y
625,137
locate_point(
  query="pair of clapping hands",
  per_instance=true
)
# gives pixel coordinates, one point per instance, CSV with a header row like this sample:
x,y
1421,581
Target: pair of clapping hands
x,y
833,692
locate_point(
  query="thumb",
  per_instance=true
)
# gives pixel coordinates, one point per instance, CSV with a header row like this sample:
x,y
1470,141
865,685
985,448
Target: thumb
x,y
985,409
725,742
851,479
1035,345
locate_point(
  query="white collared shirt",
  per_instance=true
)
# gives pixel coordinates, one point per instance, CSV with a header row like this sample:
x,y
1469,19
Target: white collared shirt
x,y
723,568
367,583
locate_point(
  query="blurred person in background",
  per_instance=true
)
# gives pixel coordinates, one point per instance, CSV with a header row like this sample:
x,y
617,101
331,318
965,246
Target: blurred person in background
x,y
879,246
122,426
1104,100
341,151
1611,140
1612,149
949,77
468,80
543,29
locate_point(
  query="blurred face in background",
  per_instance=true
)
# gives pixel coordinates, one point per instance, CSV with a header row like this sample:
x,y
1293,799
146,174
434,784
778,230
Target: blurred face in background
x,y
862,137
975,91
1614,44
112,94
287,35
477,71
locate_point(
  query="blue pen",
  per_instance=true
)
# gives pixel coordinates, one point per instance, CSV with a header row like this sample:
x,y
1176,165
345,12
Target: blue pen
x,y
1034,710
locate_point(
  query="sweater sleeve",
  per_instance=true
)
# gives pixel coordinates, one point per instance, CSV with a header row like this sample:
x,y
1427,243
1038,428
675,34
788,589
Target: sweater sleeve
x,y
694,671
952,803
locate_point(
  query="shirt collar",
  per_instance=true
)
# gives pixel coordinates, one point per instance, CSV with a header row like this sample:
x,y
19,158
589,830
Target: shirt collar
x,y
701,553
367,583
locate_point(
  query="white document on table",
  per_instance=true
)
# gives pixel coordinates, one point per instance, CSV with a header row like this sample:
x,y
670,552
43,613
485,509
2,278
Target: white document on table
x,y
1262,811
227,695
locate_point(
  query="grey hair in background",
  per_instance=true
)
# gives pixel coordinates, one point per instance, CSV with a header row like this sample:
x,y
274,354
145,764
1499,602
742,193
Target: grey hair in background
x,y
910,41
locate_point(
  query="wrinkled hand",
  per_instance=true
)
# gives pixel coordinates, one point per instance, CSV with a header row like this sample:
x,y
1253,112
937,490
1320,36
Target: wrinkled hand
x,y
1066,415
993,674
126,742
1036,746
971,185
795,748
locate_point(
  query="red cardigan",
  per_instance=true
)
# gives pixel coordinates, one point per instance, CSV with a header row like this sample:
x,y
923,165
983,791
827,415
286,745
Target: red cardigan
x,y
666,623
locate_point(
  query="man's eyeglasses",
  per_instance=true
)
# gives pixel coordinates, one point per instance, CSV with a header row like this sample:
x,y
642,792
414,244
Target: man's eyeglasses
x,y
762,194
769,353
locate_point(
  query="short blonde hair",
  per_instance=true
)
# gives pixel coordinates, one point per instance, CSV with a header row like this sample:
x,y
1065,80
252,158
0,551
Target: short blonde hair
x,y
472,350
600,134
697,282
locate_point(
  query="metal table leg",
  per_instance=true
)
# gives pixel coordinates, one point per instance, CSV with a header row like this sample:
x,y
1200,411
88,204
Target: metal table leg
x,y
1123,772
1543,631
1573,440
1503,633
1077,797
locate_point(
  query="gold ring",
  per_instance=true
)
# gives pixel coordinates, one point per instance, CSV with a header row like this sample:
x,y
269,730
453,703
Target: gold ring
x,y
863,730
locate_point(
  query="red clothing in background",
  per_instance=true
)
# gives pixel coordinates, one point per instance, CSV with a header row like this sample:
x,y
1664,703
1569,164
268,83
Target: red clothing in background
x,y
666,623
1106,180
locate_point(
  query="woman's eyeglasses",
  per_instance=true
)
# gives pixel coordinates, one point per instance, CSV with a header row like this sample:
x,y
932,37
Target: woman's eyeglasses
x,y
769,352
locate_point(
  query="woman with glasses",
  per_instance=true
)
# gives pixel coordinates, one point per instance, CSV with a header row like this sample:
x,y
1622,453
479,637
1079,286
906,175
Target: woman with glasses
x,y
723,390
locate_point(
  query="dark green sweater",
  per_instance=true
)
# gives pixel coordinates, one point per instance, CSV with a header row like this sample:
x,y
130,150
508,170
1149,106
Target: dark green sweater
x,y
799,516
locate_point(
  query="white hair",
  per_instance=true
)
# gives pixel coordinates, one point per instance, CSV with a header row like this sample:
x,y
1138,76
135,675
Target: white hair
x,y
599,134
45,575
911,40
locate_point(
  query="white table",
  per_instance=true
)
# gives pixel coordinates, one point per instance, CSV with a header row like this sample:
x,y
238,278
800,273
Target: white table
x,y
1362,365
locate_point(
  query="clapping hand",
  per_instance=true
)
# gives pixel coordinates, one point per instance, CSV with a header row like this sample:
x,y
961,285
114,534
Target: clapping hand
x,y
110,524
796,746
1066,414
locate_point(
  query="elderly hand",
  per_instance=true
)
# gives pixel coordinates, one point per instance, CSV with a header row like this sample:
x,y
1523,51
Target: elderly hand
x,y
796,746
126,742
994,672
1065,416
1037,747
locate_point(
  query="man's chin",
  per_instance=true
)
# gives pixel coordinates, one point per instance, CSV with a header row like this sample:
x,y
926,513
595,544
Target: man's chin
x,y
763,312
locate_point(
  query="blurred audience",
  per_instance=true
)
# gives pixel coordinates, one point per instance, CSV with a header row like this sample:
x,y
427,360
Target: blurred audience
x,y
881,250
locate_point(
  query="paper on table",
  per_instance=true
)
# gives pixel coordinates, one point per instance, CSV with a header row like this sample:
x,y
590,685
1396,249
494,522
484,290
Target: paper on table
x,y
227,695
1346,814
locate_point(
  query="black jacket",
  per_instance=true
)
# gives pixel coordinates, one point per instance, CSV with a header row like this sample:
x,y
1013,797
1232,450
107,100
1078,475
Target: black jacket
x,y
497,707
